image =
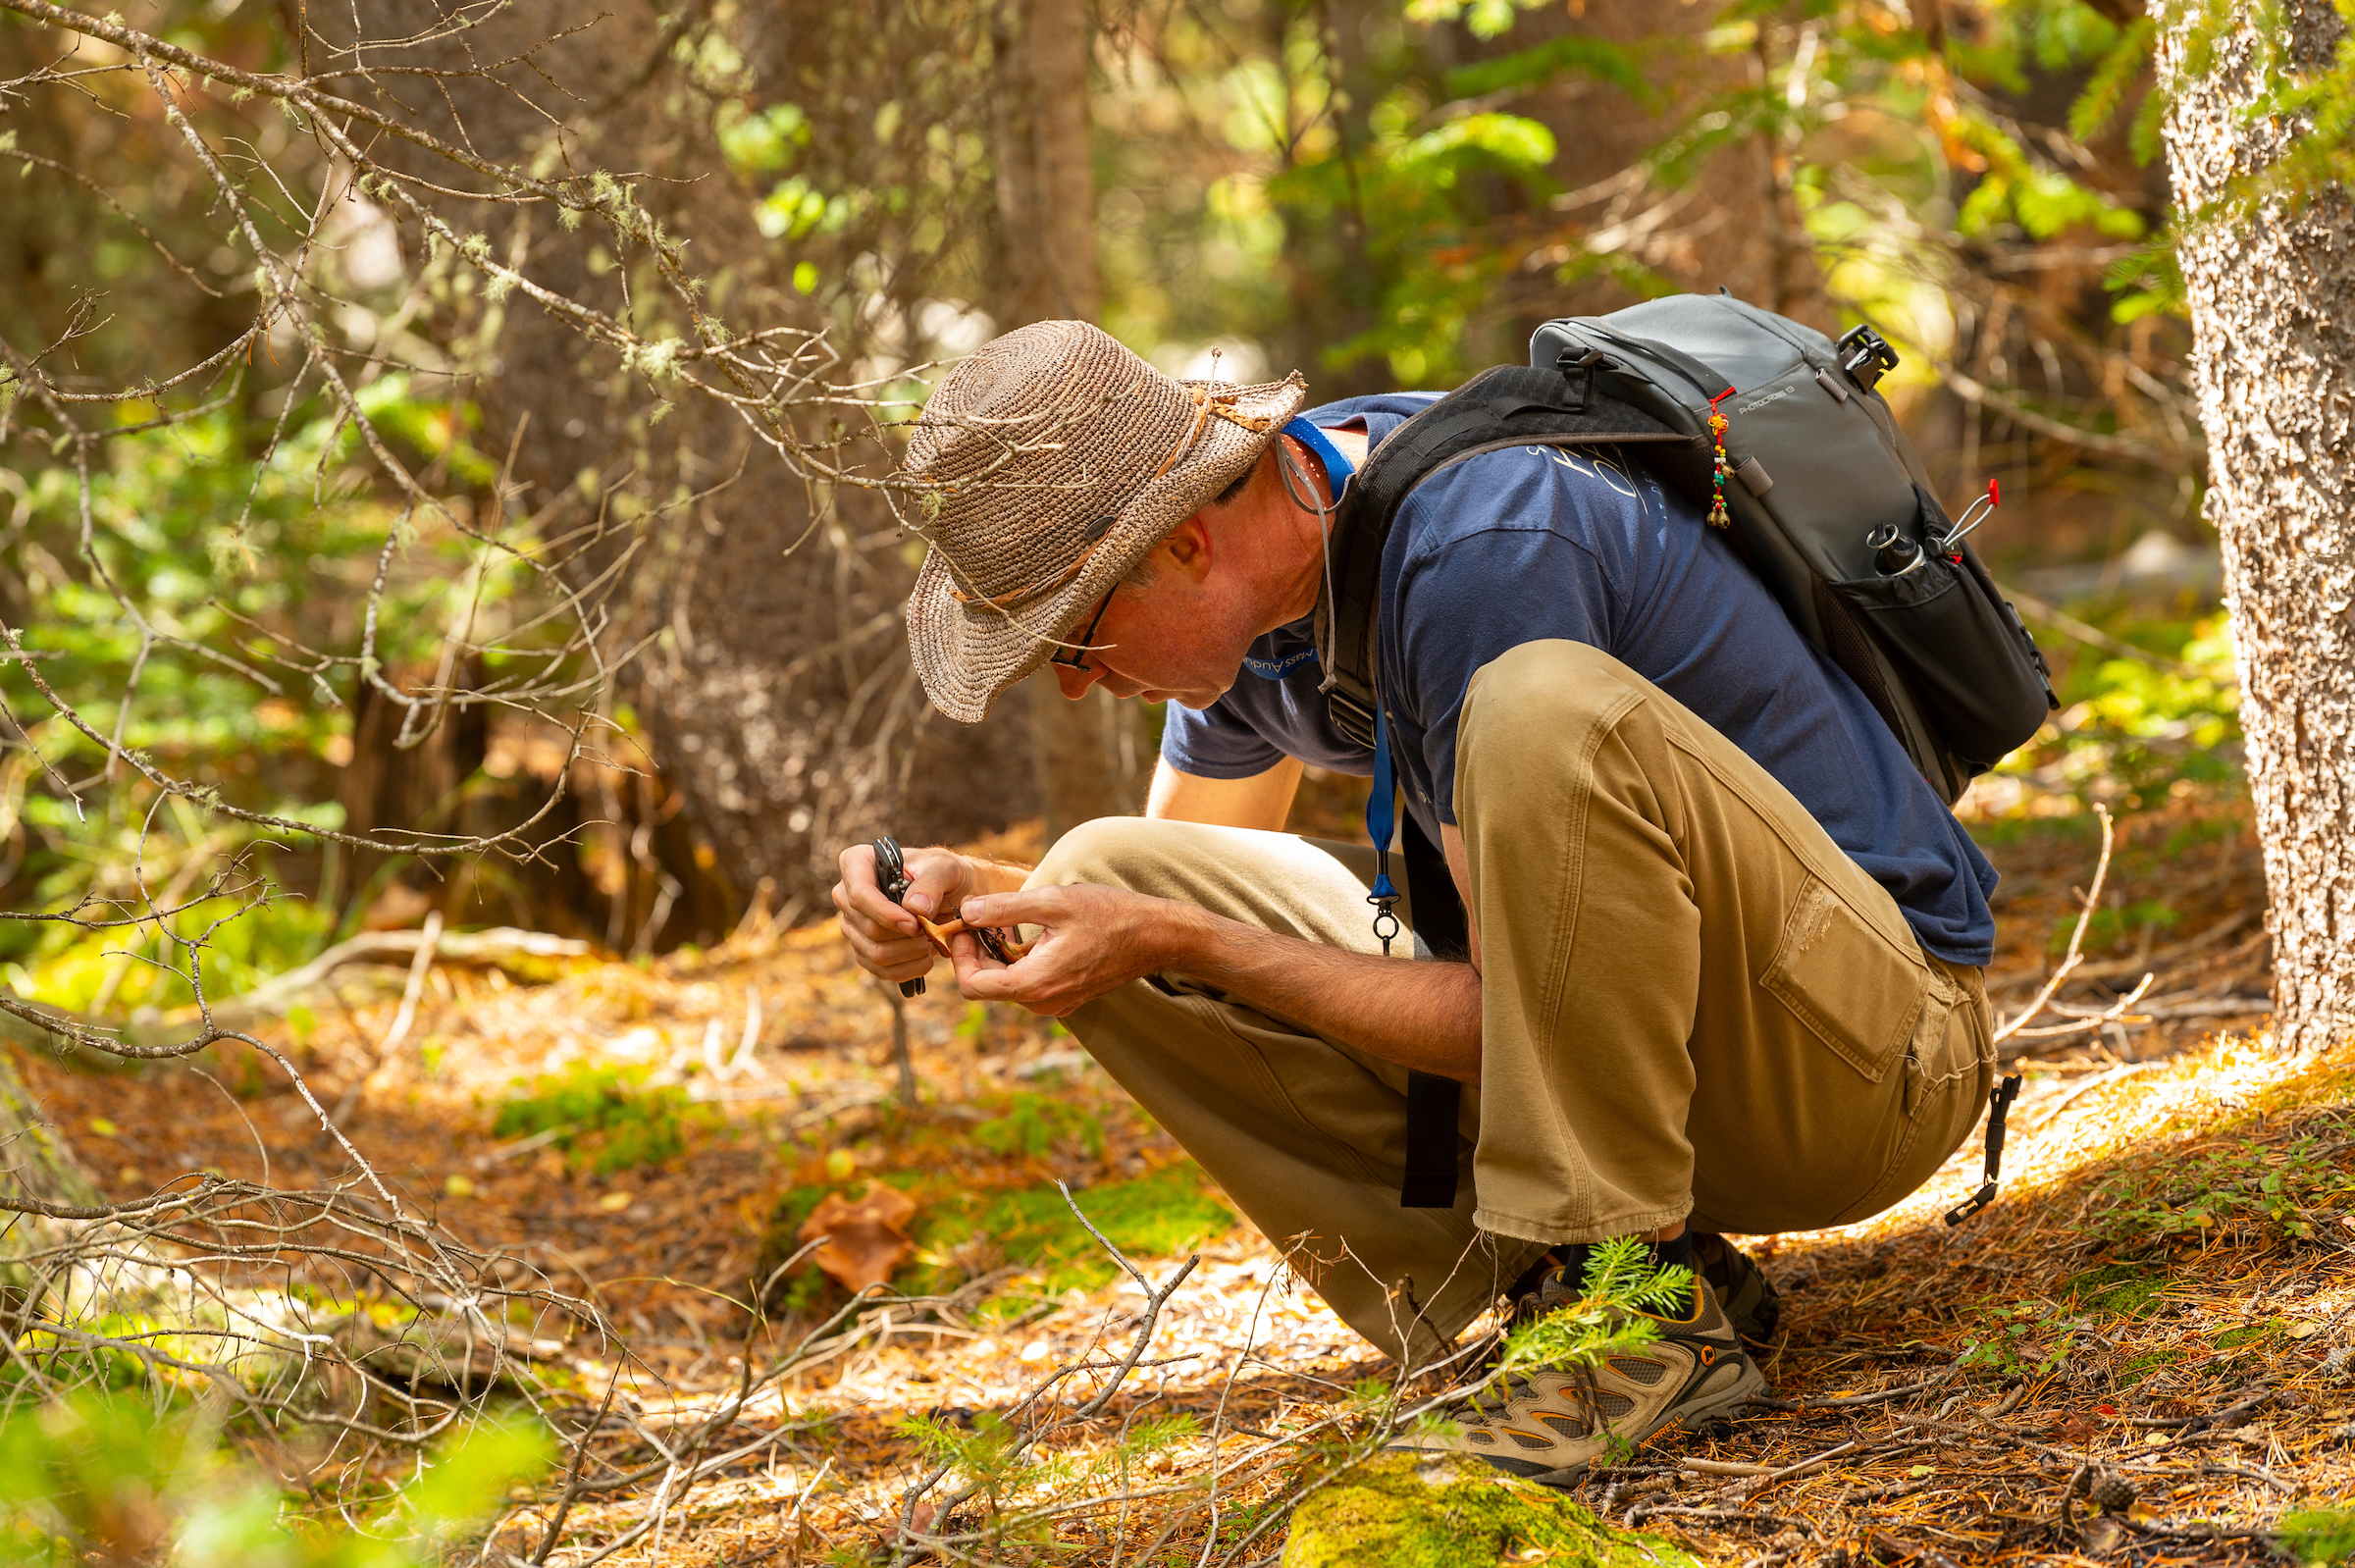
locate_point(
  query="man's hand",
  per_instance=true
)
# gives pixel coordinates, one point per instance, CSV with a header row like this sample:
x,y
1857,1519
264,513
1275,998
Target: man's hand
x,y
1094,940
884,937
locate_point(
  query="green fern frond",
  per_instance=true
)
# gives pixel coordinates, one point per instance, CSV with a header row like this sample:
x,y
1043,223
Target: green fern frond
x,y
2106,90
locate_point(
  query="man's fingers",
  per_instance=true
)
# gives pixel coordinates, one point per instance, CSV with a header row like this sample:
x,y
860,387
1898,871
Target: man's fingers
x,y
934,879
885,951
859,895
912,967
877,916
974,964
889,947
890,924
980,977
993,982
1038,906
986,985
966,952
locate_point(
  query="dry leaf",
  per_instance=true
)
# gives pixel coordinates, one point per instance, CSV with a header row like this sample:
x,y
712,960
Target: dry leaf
x,y
865,1239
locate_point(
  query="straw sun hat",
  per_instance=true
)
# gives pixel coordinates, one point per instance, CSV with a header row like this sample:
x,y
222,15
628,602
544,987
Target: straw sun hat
x,y
1050,464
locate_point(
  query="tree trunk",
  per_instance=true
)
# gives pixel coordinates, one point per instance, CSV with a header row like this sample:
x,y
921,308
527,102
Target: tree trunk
x,y
1794,283
1086,753
1333,289
1733,222
2272,311
778,698
1046,184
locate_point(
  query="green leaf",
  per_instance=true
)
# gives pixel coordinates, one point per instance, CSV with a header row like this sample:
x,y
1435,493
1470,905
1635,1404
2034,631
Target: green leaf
x,y
1509,138
472,1478
2319,1536
2106,89
1551,60
2149,280
1485,19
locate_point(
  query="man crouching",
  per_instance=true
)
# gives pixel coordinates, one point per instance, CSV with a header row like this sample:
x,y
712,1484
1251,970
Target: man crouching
x,y
1724,942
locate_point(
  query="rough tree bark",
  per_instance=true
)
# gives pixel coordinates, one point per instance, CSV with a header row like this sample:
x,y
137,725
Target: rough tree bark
x,y
1086,752
780,701
2272,310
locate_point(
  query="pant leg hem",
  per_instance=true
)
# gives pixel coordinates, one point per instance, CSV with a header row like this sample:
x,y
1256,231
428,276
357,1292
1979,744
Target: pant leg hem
x,y
1475,1284
1551,1232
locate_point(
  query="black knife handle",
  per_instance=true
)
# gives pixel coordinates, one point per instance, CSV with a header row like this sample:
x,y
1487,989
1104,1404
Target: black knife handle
x,y
891,875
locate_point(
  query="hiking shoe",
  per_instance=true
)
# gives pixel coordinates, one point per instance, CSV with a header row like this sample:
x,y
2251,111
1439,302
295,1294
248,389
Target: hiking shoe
x,y
1743,1292
1550,1425
1742,1288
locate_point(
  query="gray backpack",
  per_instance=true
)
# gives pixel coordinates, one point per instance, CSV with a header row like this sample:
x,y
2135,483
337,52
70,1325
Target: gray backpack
x,y
1824,496
1821,492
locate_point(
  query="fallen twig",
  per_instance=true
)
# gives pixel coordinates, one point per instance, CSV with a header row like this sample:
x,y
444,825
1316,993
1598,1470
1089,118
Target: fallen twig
x,y
2076,936
2197,1530
2162,958
1771,1473
908,1541
1643,1511
379,947
2036,610
2080,1092
2053,1031
1851,1402
429,946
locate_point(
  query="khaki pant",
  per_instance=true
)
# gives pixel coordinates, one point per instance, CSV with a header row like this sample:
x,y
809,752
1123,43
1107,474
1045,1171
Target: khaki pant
x,y
1694,1006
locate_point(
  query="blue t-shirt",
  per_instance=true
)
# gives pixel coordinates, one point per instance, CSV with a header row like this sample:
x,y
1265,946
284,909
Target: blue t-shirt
x,y
1531,543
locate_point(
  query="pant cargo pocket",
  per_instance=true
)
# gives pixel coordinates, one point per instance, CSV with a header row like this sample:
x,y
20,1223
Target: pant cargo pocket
x,y
1855,989
1950,1065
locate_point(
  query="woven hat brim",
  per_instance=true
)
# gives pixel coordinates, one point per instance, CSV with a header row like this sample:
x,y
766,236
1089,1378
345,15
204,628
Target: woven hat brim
x,y
968,654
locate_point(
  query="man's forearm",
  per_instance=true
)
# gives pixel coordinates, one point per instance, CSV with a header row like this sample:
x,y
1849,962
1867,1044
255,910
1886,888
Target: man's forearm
x,y
998,877
1421,1015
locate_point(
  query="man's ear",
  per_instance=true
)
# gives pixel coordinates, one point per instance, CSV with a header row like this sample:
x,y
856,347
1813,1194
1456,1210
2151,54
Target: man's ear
x,y
1186,549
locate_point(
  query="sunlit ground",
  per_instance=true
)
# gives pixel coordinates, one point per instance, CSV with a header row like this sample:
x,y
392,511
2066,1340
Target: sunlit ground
x,y
2174,1233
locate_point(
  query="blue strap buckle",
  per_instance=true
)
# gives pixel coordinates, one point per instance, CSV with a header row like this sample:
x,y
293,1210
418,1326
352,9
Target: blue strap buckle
x,y
1381,824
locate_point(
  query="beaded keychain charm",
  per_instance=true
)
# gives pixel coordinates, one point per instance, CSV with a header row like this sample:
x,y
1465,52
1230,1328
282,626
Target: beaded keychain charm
x,y
1718,516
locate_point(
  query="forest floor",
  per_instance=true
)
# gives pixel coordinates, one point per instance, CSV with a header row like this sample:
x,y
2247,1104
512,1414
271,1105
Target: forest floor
x,y
2159,1310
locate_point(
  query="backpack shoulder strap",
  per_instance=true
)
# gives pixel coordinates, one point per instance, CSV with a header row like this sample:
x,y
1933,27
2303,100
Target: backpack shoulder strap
x,y
1433,1102
1509,406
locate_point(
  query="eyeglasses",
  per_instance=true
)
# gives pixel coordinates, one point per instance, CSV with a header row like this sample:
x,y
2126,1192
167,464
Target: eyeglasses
x,y
1074,656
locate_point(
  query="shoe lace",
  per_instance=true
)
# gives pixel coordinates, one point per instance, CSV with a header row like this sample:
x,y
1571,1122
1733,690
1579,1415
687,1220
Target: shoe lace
x,y
1492,1401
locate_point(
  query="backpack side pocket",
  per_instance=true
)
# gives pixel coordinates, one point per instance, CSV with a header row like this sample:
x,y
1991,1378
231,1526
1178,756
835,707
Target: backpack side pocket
x,y
1957,647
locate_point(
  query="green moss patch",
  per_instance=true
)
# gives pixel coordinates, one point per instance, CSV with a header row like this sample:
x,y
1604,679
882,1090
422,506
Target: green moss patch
x,y
2251,1335
608,1119
2143,1366
1149,1218
1030,1228
2122,1290
2320,1534
1406,1512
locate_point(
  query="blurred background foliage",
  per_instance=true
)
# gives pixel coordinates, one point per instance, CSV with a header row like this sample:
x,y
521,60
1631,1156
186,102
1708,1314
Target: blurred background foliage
x,y
1379,195
115,1477
229,579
